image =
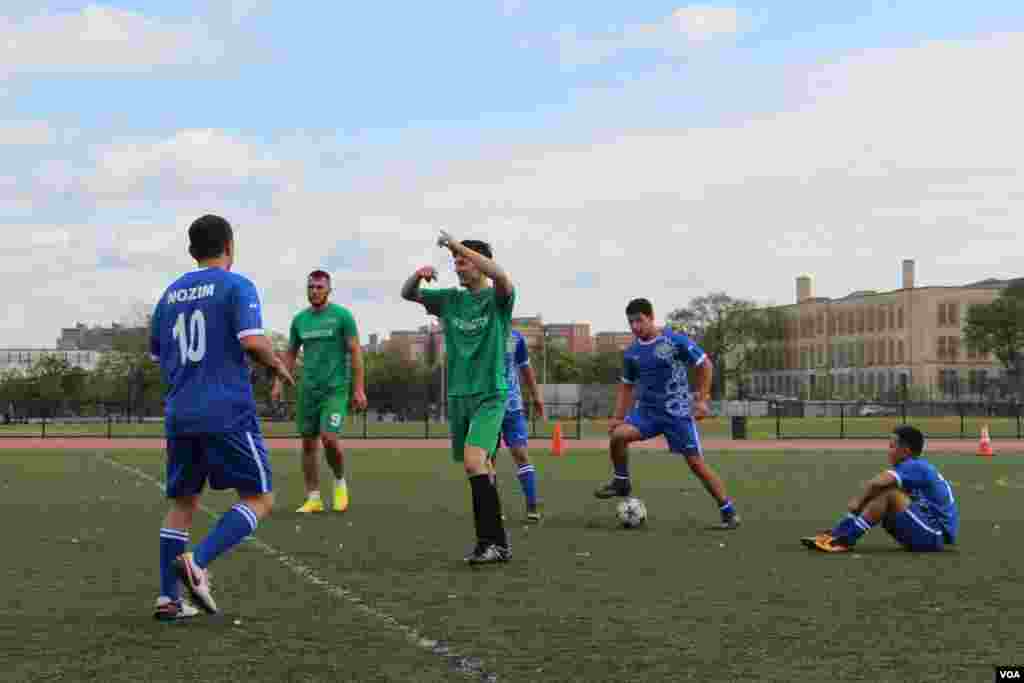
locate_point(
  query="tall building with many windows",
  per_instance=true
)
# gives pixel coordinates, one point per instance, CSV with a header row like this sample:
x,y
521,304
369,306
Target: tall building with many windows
x,y
903,343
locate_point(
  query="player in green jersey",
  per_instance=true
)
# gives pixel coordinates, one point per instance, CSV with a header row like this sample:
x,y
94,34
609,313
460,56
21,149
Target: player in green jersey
x,y
476,321
332,364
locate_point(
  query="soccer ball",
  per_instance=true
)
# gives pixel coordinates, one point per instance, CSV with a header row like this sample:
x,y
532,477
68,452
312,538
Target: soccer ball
x,y
631,512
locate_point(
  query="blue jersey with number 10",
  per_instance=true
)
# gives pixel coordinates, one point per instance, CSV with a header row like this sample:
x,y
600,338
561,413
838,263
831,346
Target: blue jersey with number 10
x,y
195,334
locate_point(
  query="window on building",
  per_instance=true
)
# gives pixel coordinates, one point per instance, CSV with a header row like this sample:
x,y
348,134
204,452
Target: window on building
x,y
860,320
892,351
942,349
899,317
942,315
880,312
953,314
899,351
954,348
803,359
821,323
869,323
892,317
869,355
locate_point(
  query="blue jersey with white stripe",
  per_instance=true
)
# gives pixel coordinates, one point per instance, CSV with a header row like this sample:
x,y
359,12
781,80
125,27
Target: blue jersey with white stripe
x,y
931,493
196,335
657,369
516,357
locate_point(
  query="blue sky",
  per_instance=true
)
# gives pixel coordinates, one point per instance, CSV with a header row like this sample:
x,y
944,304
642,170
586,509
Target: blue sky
x,y
617,140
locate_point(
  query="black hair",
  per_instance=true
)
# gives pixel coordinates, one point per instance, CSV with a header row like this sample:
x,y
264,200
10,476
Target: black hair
x,y
320,275
208,237
479,246
910,437
640,306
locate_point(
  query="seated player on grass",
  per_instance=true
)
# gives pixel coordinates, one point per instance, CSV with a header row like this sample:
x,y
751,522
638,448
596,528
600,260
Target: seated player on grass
x,y
912,501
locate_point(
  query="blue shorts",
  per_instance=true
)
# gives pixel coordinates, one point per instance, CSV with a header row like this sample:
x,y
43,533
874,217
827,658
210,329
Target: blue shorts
x,y
680,432
230,461
514,430
914,531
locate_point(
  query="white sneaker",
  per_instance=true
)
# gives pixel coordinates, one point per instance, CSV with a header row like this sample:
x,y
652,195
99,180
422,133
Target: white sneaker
x,y
170,610
196,580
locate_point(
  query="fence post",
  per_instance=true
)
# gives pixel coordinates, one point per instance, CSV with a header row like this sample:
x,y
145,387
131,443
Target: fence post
x,y
43,423
426,418
579,420
366,419
960,409
110,427
778,421
842,420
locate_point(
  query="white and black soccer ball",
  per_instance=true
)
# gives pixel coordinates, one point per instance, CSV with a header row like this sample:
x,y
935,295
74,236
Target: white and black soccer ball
x,y
631,512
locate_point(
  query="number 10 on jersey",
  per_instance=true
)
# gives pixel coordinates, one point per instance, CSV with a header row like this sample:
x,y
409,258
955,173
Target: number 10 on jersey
x,y
191,337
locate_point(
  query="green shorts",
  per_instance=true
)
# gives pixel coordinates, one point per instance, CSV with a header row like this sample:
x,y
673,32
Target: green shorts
x,y
321,413
475,421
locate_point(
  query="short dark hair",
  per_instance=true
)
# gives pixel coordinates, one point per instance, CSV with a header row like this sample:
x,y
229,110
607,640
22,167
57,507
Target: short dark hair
x,y
640,306
479,246
910,437
319,275
208,237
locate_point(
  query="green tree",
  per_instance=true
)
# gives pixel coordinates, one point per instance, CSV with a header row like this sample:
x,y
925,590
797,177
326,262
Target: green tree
x,y
734,332
603,367
998,328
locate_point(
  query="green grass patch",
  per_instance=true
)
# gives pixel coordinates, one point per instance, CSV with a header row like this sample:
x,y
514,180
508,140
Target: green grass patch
x,y
582,600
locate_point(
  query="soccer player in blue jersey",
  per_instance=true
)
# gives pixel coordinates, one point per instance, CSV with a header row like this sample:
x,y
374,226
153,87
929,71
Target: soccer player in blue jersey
x,y
911,500
514,430
205,326
656,395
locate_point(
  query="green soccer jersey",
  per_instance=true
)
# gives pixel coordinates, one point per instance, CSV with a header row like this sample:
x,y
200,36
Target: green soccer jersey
x,y
476,329
323,335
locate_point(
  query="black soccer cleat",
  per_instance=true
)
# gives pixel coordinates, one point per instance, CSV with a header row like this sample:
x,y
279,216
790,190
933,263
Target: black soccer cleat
x,y
489,553
616,487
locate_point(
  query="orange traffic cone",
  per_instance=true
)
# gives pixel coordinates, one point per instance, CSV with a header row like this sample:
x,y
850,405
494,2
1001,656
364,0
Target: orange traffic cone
x,y
985,444
557,444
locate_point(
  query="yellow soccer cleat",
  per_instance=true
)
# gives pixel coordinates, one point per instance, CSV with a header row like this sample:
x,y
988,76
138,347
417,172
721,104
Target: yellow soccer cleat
x,y
825,543
341,498
312,505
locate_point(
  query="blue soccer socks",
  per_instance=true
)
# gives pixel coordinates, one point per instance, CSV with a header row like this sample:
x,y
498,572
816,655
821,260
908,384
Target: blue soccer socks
x,y
850,528
172,543
233,527
527,476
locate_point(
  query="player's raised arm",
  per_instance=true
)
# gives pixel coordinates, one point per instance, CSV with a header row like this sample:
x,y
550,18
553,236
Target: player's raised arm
x,y
502,282
411,287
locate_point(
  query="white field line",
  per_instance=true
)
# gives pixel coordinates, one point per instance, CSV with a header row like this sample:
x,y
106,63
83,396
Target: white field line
x,y
465,665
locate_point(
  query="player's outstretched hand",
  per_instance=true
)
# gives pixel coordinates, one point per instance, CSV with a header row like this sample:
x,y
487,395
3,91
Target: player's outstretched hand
x,y
359,401
282,373
428,273
445,239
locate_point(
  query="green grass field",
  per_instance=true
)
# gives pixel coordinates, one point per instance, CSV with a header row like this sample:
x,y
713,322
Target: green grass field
x,y
582,600
718,427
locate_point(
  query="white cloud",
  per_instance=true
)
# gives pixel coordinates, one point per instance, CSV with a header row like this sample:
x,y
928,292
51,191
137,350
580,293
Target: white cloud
x,y
911,153
26,133
675,35
190,160
102,39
